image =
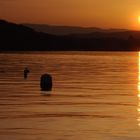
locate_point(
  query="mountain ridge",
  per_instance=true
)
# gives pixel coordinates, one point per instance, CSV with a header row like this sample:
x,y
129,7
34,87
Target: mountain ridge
x,y
17,37
68,30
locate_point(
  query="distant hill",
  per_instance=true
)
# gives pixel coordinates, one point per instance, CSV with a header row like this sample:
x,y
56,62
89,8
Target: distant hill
x,y
17,37
67,30
83,32
117,35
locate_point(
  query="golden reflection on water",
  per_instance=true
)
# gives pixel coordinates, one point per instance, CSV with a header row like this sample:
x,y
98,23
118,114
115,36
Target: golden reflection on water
x,y
139,77
139,88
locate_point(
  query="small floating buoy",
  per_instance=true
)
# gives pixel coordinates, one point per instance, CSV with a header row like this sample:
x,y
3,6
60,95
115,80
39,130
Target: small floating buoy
x,y
46,82
26,72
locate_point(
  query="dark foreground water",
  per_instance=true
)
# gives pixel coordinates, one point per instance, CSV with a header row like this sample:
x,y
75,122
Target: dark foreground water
x,y
94,97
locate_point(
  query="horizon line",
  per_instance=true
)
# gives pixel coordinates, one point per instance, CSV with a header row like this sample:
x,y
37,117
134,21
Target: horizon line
x,y
71,26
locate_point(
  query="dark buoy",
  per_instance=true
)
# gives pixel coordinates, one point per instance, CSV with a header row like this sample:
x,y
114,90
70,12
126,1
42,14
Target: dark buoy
x,y
26,72
46,82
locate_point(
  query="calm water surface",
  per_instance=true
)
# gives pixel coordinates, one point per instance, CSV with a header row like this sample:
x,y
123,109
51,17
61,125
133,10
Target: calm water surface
x,y
94,97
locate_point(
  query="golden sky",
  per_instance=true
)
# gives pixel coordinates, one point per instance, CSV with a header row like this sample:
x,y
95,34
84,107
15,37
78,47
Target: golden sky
x,y
87,13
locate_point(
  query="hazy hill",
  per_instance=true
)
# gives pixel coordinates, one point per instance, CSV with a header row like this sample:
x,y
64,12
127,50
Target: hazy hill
x,y
66,30
19,37
15,37
119,35
81,32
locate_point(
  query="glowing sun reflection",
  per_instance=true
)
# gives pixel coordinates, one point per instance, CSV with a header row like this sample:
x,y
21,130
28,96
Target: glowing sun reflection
x,y
139,77
139,88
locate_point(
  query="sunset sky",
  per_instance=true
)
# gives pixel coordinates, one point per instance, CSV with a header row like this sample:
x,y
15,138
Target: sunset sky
x,y
86,13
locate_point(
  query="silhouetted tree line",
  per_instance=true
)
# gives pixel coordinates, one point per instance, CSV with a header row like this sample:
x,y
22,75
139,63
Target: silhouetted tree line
x,y
15,37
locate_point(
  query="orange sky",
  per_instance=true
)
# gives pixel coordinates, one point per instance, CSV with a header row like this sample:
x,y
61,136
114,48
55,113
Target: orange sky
x,y
87,13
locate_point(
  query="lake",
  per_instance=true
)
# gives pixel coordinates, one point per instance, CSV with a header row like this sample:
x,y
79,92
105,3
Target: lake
x,y
95,96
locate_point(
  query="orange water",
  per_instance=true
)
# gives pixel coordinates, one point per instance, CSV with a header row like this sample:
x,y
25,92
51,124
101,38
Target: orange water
x,y
94,97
